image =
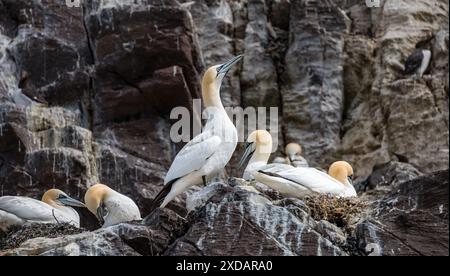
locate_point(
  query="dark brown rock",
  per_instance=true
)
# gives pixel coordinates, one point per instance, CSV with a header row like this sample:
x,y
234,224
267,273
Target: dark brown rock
x,y
411,220
129,49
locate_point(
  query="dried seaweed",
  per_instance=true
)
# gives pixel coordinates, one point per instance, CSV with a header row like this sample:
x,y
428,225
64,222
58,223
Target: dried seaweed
x,y
338,211
17,235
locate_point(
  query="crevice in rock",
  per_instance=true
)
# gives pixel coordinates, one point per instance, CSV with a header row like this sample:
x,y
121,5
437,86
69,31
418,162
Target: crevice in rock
x,y
88,37
127,82
277,48
16,22
90,101
193,244
402,241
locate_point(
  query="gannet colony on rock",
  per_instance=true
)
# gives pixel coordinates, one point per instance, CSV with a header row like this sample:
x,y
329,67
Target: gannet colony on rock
x,y
54,208
209,152
203,157
291,181
109,206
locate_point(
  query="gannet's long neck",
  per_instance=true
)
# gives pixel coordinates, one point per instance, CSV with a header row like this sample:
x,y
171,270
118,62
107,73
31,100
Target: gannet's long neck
x,y
258,159
211,96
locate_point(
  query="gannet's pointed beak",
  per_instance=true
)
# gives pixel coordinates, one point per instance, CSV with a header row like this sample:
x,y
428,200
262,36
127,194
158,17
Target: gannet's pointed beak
x,y
249,150
101,214
227,66
350,179
291,158
68,201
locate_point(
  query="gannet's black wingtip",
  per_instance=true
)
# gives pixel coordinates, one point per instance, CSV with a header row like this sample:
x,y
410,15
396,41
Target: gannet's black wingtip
x,y
161,196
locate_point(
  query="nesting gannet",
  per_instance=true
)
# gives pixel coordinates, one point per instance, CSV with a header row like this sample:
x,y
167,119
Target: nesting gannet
x,y
257,152
293,153
417,63
18,210
292,181
109,206
209,152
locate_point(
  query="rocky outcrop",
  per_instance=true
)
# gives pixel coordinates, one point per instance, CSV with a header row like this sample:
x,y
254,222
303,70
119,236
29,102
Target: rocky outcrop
x,y
411,220
104,78
233,220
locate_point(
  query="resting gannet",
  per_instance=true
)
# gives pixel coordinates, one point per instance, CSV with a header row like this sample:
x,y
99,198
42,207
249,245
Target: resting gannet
x,y
109,206
209,152
293,153
257,152
292,181
417,63
19,210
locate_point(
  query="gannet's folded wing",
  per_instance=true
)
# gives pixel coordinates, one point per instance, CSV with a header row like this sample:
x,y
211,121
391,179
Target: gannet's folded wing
x,y
26,208
275,167
309,178
312,179
193,155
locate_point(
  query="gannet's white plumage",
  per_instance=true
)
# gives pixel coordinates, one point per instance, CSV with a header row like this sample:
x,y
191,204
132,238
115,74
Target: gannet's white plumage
x,y
297,182
109,206
54,208
293,157
209,152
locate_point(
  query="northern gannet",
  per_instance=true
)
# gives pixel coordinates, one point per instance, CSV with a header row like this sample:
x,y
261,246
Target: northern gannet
x,y
292,181
109,206
257,152
53,208
209,152
293,153
417,63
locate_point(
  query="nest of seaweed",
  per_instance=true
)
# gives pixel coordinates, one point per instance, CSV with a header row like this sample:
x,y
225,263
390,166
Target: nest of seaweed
x,y
339,211
17,235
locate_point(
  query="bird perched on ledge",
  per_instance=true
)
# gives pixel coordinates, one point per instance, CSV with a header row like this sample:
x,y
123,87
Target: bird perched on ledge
x,y
209,152
293,153
53,208
417,63
292,181
109,206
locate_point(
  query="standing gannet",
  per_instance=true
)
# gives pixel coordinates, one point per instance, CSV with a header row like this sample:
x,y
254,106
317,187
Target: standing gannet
x,y
293,153
19,210
209,152
109,206
417,63
292,181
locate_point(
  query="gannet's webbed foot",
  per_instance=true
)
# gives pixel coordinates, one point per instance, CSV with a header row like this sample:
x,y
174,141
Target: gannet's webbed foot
x,y
204,180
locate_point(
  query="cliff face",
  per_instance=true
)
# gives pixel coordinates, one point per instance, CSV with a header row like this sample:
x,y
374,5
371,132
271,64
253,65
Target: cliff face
x,y
108,74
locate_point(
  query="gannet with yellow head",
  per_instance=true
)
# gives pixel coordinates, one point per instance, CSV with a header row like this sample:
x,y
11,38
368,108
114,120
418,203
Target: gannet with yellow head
x,y
292,181
257,152
209,152
53,208
109,206
293,153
